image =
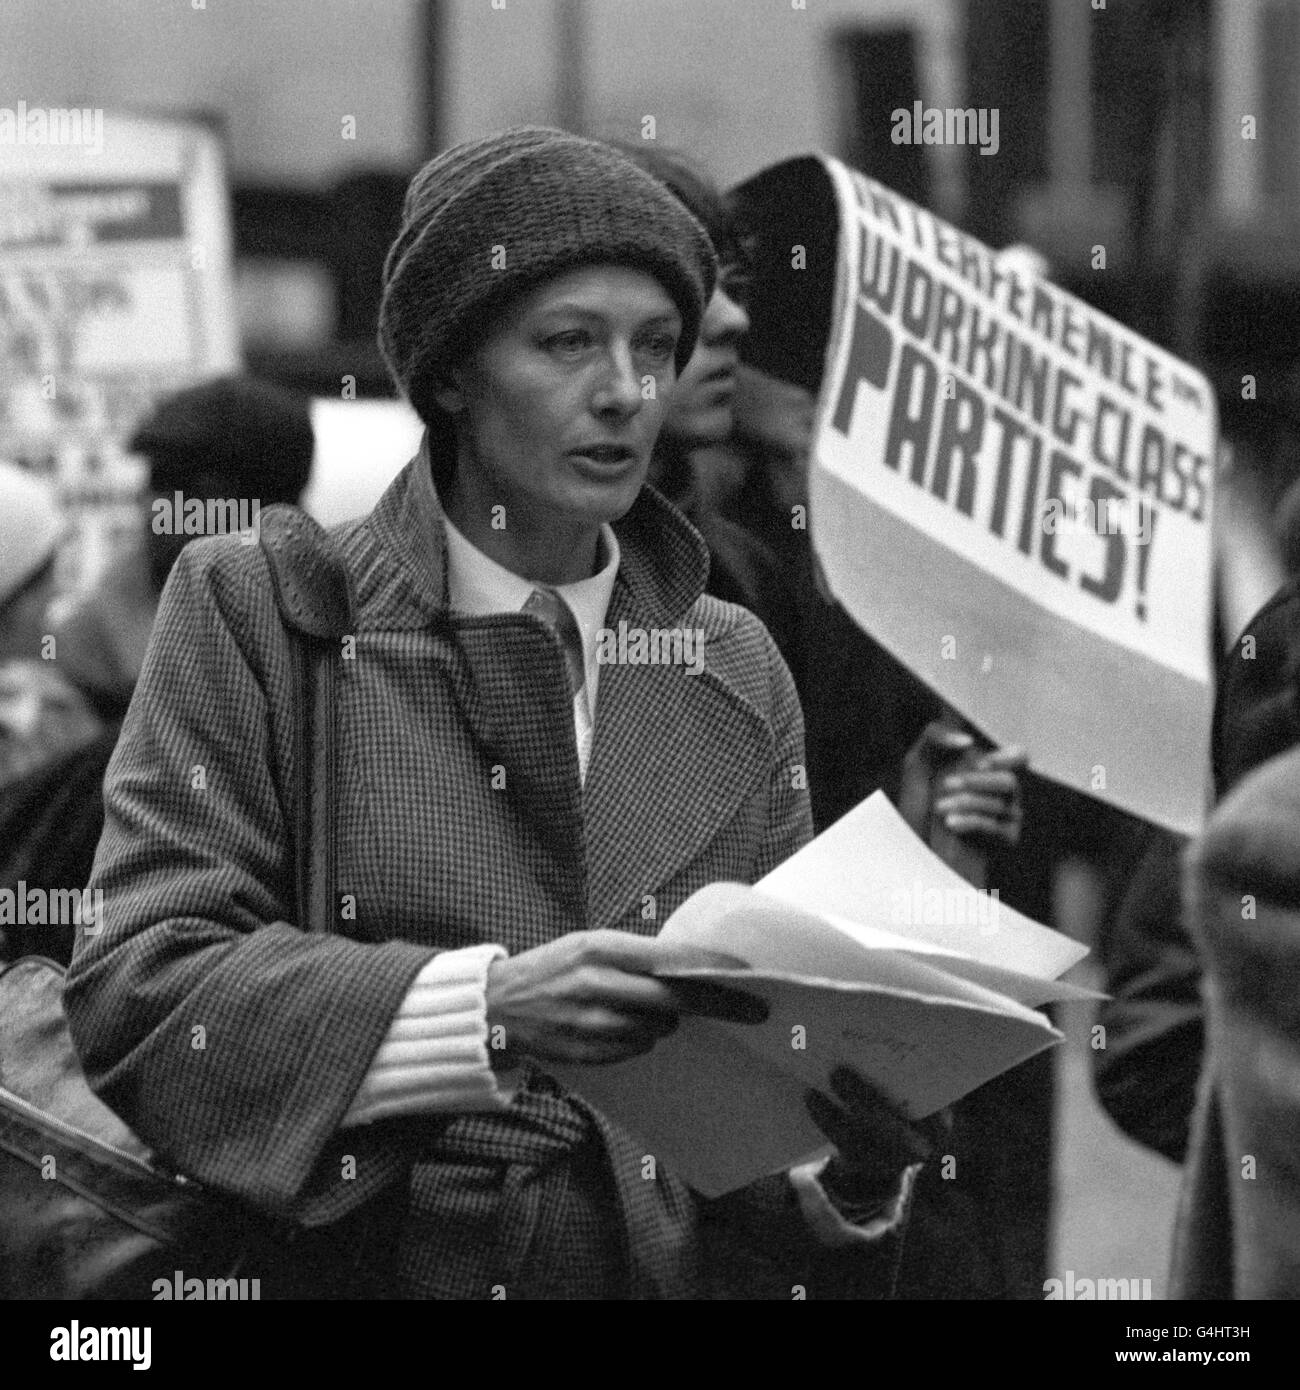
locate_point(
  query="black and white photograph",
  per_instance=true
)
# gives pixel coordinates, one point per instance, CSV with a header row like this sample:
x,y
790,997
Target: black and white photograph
x,y
649,650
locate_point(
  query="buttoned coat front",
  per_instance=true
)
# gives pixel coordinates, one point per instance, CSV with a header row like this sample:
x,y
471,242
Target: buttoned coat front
x,y
234,1042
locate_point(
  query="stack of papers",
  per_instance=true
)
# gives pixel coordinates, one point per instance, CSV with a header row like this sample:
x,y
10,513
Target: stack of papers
x,y
869,951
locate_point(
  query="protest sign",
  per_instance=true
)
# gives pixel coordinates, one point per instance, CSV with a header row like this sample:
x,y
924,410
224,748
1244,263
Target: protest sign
x,y
115,289
1009,490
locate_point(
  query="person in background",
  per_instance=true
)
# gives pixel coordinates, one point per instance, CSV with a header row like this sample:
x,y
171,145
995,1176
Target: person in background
x,y
40,714
733,455
691,465
700,414
232,439
31,532
44,720
1147,1075
1237,1233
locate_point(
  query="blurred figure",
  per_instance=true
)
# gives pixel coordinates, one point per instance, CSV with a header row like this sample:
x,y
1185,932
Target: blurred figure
x,y
1147,1074
30,532
872,725
692,460
741,568
40,714
1238,1232
231,440
43,720
226,440
733,455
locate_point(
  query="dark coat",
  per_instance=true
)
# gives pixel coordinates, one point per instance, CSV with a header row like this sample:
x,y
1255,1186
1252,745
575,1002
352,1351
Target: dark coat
x,y
1237,1236
234,1042
1238,1231
1146,1076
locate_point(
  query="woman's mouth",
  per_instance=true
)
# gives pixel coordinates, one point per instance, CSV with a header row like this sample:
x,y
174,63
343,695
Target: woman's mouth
x,y
722,379
605,455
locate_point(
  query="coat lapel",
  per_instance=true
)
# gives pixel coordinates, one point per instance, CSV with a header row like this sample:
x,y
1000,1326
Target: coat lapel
x,y
514,695
674,759
675,756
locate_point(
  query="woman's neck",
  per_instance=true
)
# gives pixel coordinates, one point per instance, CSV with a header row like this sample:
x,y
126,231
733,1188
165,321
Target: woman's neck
x,y
551,549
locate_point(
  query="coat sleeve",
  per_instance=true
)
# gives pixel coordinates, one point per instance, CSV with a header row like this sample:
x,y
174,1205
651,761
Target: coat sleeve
x,y
789,819
1147,1072
232,1041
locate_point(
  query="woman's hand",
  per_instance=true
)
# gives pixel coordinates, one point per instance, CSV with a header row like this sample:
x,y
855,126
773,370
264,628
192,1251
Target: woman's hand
x,y
592,997
971,794
874,1140
981,802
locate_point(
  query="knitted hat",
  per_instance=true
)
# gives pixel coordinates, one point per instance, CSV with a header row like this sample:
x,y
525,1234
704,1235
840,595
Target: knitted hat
x,y
486,220
30,528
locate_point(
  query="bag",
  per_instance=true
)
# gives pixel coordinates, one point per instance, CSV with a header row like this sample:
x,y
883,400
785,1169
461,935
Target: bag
x,y
50,822
85,1211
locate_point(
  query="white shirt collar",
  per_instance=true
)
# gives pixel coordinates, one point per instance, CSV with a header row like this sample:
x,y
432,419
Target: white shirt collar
x,y
477,586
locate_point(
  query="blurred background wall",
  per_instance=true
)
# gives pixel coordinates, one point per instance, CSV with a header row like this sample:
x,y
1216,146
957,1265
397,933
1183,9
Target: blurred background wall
x,y
272,71
1120,126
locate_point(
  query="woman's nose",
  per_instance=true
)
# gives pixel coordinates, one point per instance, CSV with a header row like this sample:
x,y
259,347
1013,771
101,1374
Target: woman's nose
x,y
619,387
725,320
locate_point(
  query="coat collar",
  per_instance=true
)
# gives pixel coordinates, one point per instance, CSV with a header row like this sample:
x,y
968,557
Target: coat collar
x,y
665,562
664,739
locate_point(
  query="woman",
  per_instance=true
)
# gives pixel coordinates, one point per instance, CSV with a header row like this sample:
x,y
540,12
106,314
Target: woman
x,y
515,821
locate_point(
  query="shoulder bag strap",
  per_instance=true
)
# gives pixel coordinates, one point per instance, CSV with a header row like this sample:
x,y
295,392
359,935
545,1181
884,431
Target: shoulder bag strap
x,y
313,591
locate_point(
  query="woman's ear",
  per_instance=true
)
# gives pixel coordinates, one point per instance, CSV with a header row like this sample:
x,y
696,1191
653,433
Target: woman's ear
x,y
449,391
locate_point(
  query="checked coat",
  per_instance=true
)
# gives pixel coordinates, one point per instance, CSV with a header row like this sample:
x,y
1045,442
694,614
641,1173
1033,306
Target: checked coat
x,y
234,1042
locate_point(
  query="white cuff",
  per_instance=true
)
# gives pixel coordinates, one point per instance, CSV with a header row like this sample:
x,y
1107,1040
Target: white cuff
x,y
435,1057
829,1225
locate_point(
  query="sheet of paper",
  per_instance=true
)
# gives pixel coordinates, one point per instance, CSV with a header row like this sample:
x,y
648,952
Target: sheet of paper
x,y
776,936
928,1004
707,1108
723,1104
870,869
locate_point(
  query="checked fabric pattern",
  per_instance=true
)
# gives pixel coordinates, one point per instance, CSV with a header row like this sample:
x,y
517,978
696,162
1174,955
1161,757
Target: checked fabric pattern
x,y
461,820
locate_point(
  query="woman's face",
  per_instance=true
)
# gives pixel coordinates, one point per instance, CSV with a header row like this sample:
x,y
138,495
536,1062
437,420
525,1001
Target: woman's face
x,y
559,408
699,413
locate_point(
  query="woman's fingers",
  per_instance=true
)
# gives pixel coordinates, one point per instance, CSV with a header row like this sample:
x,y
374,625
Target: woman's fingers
x,y
984,827
876,1118
712,1000
984,801
874,1144
992,783
1013,759
940,742
968,804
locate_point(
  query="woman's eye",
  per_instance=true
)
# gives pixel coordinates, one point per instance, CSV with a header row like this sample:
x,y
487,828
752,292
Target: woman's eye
x,y
569,343
659,346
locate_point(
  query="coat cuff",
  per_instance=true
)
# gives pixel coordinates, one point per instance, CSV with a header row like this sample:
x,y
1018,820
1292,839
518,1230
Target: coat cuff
x,y
834,1227
434,1058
